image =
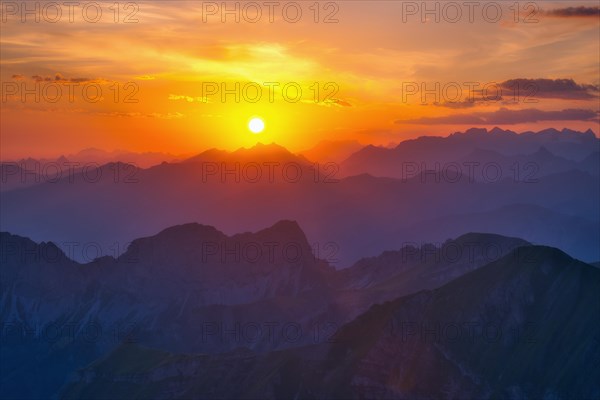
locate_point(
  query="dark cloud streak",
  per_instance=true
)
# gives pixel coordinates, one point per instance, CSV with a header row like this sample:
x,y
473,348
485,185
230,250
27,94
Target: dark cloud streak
x,y
574,12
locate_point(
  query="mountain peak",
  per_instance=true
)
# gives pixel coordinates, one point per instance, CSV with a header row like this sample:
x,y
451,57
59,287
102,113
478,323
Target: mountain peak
x,y
270,147
286,224
549,131
178,239
484,239
263,149
476,131
496,130
270,151
181,241
272,144
191,228
20,249
210,154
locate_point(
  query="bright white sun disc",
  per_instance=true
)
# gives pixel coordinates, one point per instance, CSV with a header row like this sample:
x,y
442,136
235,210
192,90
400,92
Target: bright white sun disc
x,y
256,125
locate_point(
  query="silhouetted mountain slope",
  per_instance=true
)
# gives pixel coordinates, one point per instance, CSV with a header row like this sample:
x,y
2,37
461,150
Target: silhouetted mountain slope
x,y
539,225
173,194
541,304
191,288
524,326
413,268
178,290
255,154
526,168
228,269
562,151
332,151
19,174
591,163
462,254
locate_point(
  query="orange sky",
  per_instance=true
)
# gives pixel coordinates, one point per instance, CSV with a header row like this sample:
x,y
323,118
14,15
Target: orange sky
x,y
363,65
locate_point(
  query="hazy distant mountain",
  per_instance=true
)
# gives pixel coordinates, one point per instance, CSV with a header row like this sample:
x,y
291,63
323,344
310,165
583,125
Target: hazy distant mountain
x,y
332,151
523,326
426,151
142,160
346,219
539,225
18,174
12,176
426,266
592,163
526,168
251,162
413,268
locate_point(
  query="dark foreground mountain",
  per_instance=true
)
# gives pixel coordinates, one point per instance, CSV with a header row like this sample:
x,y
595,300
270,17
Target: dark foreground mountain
x,y
193,289
522,327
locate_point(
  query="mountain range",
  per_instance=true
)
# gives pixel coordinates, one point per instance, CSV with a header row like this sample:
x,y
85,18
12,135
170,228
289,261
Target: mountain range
x,y
173,318
245,189
456,267
191,288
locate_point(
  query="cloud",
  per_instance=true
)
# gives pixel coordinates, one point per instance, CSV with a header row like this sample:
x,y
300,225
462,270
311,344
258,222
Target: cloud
x,y
573,12
189,99
58,77
456,104
523,90
506,117
175,115
171,115
39,78
340,102
549,88
328,103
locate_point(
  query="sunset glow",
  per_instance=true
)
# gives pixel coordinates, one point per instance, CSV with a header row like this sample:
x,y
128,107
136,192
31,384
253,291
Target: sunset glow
x,y
312,199
177,77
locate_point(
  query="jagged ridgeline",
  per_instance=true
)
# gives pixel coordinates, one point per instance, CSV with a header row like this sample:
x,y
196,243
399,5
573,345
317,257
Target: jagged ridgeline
x,y
539,186
183,315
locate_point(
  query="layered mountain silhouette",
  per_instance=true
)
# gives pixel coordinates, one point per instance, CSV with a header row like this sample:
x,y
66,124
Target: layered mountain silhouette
x,y
363,214
522,326
443,267
260,152
534,154
576,235
192,289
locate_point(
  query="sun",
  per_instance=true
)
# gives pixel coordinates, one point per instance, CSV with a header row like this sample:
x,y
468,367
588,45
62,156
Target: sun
x,y
256,125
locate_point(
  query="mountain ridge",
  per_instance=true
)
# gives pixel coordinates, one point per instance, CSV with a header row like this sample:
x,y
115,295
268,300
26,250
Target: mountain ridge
x,y
394,350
